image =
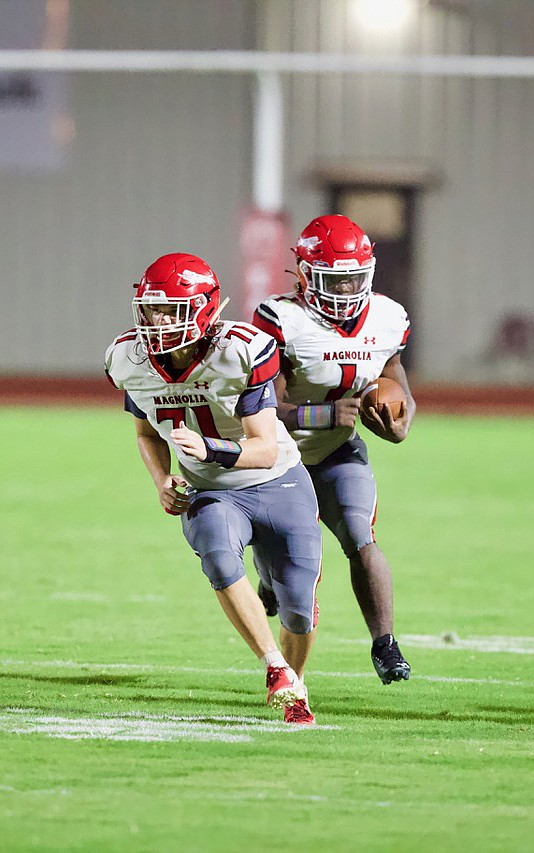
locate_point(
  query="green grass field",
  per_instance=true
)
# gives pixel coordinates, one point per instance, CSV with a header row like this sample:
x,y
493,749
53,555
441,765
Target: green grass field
x,y
133,719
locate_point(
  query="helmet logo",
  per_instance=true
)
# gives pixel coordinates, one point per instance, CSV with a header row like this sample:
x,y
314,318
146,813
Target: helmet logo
x,y
155,294
309,242
346,263
192,277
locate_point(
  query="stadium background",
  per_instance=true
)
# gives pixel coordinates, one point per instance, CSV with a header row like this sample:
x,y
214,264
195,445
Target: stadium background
x,y
101,172
131,717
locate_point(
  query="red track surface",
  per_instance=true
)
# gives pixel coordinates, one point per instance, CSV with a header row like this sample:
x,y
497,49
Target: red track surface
x,y
84,391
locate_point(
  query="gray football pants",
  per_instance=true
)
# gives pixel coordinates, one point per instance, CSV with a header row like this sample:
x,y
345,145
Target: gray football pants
x,y
279,520
346,493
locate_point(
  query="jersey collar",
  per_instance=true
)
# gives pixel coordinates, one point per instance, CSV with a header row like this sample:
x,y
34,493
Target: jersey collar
x,y
171,374
360,320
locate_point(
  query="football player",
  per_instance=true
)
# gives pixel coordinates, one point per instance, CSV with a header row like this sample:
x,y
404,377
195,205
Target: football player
x,y
335,336
202,390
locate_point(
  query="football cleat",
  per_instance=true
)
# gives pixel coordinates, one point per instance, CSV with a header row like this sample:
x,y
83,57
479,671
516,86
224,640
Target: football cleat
x,y
284,687
388,660
299,713
268,599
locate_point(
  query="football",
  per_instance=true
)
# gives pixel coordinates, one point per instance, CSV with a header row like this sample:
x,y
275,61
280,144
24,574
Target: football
x,y
382,391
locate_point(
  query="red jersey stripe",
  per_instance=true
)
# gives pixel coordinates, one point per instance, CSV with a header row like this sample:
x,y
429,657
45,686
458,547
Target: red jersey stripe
x,y
130,335
266,371
271,328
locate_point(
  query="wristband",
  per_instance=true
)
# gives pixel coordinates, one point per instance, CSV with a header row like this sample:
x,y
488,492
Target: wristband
x,y
222,450
316,416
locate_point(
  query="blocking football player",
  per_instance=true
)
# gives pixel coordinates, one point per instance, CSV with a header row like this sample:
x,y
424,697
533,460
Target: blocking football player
x,y
202,390
335,336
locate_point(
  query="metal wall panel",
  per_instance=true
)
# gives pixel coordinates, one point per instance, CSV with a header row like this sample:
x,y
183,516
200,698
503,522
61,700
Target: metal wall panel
x,y
473,254
164,161
160,162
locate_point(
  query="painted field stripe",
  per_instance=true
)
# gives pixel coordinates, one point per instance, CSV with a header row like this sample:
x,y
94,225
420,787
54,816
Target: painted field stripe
x,y
505,810
235,798
136,726
148,667
41,792
98,598
450,641
432,678
86,597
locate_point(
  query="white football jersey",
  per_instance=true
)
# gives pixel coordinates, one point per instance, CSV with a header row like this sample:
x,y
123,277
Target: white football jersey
x,y
329,363
204,396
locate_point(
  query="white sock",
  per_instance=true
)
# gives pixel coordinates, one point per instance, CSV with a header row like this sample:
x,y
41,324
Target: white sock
x,y
274,658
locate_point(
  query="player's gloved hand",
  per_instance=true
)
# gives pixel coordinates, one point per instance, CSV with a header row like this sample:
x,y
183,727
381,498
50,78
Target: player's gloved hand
x,y
346,411
383,425
190,441
173,501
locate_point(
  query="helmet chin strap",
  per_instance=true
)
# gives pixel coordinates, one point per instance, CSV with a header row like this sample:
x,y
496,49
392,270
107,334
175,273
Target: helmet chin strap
x,y
219,310
210,331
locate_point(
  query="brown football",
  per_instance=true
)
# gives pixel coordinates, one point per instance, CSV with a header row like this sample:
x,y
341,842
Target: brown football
x,y
382,391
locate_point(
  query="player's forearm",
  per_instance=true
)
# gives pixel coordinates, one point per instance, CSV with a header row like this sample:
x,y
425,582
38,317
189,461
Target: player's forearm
x,y
157,458
257,453
410,408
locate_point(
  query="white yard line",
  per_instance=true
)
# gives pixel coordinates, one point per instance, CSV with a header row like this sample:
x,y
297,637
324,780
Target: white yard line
x,y
41,792
88,597
195,670
136,726
99,598
450,641
235,797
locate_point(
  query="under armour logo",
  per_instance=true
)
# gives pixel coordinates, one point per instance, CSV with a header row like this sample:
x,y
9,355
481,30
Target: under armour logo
x,y
201,385
369,340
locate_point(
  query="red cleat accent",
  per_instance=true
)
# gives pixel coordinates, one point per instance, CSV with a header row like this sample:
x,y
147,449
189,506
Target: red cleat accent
x,y
299,714
284,688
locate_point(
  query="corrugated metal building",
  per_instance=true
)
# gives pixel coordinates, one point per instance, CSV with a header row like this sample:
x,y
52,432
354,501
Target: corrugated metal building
x,y
437,169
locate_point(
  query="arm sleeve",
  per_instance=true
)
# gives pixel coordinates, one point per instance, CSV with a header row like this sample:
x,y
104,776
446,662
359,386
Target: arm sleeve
x,y
130,406
253,400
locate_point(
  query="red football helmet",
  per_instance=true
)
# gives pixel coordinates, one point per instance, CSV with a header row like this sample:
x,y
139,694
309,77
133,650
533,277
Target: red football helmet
x,y
175,302
335,264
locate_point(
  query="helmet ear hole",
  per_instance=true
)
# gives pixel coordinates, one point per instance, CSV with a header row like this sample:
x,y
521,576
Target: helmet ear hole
x,y
303,280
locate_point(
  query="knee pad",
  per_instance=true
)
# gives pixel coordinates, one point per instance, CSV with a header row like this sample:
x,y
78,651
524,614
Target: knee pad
x,y
296,623
222,568
354,531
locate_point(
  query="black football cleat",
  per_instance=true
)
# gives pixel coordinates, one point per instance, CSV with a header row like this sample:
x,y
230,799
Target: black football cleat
x,y
388,660
268,599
